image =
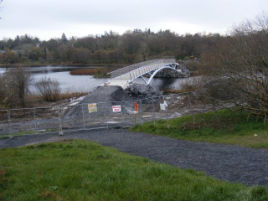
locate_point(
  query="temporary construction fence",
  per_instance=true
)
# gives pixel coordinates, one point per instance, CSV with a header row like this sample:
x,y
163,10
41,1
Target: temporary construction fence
x,y
84,116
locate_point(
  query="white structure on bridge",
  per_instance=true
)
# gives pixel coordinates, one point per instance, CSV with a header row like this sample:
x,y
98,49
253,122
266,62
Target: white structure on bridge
x,y
125,76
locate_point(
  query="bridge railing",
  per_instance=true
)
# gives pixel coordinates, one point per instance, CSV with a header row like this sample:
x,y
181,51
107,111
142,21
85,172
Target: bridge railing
x,y
132,67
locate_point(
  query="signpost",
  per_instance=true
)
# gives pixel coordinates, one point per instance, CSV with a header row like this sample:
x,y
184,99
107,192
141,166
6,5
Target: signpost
x,y
136,108
164,107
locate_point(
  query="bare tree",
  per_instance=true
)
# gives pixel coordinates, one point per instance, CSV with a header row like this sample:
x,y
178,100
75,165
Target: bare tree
x,y
14,87
48,88
241,60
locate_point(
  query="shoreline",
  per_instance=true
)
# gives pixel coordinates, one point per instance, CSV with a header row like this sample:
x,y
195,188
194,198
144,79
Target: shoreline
x,y
32,65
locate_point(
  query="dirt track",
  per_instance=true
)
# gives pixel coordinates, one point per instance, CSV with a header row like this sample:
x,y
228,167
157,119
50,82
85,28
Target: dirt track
x,y
226,162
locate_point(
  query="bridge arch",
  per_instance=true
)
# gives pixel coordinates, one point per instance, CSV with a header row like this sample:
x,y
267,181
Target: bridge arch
x,y
158,70
125,76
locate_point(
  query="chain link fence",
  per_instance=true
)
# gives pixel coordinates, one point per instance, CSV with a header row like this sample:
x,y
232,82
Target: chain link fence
x,y
91,115
29,119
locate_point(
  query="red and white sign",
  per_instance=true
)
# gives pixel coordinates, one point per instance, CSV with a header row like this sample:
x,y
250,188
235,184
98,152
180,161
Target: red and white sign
x,y
116,108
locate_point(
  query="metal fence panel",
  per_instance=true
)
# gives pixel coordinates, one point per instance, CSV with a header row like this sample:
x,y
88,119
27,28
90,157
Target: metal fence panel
x,y
87,115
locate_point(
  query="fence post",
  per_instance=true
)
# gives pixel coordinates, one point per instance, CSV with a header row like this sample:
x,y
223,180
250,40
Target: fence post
x,y
8,121
154,113
191,112
140,111
167,116
105,117
60,122
83,116
135,113
34,117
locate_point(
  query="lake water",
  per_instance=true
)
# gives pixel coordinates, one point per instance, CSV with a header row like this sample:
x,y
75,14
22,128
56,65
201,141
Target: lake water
x,y
87,83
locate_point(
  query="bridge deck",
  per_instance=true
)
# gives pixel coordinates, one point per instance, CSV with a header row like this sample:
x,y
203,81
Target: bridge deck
x,y
132,67
122,76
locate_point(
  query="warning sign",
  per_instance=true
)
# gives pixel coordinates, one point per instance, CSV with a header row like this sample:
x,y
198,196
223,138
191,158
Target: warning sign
x,y
116,108
92,107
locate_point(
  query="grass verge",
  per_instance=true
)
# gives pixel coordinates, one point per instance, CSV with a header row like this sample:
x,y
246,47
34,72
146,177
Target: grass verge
x,y
28,132
224,126
81,170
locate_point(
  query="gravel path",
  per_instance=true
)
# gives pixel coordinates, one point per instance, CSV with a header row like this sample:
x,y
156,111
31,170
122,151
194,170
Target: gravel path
x,y
226,162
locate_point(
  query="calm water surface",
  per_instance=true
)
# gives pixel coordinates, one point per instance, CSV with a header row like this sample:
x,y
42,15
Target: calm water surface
x,y
87,83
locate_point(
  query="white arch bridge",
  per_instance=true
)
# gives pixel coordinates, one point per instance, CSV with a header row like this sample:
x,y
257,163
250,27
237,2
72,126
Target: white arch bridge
x,y
146,70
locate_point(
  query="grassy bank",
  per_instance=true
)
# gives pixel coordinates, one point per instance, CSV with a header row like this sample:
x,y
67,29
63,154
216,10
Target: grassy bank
x,y
36,100
225,126
62,96
96,72
80,170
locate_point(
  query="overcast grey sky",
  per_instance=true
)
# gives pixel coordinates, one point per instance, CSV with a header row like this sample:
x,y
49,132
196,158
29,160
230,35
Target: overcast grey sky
x,y
50,18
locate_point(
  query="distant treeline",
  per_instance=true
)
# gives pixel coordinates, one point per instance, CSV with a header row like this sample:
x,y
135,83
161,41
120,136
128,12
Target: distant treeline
x,y
109,48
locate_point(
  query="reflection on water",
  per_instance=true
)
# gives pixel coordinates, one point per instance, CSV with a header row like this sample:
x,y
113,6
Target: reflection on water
x,y
86,83
70,83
